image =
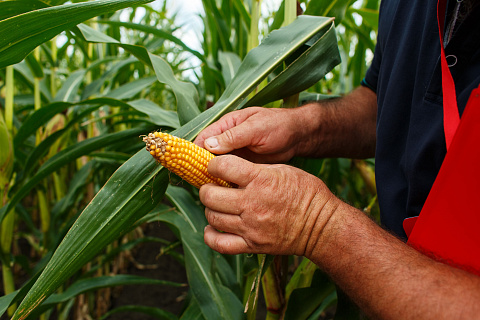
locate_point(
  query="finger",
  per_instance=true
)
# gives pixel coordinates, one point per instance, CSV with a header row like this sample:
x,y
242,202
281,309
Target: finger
x,y
221,199
234,169
225,222
225,123
234,138
226,243
212,130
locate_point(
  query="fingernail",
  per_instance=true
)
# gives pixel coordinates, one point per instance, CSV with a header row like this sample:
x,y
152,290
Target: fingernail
x,y
212,142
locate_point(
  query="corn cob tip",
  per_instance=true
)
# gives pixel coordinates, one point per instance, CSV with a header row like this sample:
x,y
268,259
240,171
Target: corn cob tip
x,y
182,157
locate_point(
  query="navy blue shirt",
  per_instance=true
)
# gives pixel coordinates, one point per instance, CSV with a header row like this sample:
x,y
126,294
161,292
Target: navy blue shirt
x,y
406,76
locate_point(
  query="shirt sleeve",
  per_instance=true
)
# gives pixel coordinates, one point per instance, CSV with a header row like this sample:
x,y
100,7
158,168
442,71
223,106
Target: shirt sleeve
x,y
371,77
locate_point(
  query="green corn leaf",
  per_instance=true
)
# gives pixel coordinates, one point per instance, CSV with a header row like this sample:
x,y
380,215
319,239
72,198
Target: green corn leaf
x,y
13,8
131,89
304,71
230,63
89,234
218,26
157,115
301,278
278,19
70,154
156,32
264,261
327,303
304,301
34,66
369,16
69,90
24,73
6,156
41,149
96,283
42,25
91,284
43,115
216,301
111,255
18,295
76,185
241,8
334,8
185,92
96,88
6,301
362,33
138,185
192,312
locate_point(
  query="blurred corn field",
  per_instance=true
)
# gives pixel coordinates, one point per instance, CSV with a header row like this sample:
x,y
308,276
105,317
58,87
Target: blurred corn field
x,y
81,81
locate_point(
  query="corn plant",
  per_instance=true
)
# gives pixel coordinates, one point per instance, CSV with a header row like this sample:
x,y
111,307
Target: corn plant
x,y
81,84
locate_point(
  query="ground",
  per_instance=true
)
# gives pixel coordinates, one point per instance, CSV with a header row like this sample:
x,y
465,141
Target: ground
x,y
165,297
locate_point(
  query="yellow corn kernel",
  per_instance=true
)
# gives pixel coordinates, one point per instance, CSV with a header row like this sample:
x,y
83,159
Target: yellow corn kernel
x,y
182,157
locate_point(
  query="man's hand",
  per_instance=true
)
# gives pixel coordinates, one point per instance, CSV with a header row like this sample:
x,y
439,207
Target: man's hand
x,y
277,209
343,127
259,134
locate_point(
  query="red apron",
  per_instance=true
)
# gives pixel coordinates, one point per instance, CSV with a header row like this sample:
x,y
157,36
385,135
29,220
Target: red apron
x,y
448,227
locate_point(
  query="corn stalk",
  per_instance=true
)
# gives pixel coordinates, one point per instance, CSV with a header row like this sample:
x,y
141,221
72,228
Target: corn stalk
x,y
6,166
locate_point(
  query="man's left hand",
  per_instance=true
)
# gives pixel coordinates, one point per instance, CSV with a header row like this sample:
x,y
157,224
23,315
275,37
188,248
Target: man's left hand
x,y
276,209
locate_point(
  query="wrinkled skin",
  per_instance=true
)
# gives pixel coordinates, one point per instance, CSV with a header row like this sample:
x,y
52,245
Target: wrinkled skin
x,y
258,134
267,213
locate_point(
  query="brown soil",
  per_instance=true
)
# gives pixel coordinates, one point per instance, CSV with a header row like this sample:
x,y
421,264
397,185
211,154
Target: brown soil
x,y
166,268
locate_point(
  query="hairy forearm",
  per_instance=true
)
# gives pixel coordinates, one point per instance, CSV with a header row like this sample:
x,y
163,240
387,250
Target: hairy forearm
x,y
387,278
342,127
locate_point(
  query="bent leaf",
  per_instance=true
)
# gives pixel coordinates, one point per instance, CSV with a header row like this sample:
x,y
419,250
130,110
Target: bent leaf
x,y
91,284
303,71
185,92
43,24
216,301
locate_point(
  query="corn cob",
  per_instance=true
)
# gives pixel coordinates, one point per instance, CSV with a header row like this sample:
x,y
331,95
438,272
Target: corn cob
x,y
182,157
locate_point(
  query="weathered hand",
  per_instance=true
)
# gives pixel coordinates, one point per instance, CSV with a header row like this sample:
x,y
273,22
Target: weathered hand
x,y
277,209
259,134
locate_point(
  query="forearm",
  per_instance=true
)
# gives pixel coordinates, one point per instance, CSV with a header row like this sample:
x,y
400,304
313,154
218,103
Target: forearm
x,y
383,275
342,127
387,278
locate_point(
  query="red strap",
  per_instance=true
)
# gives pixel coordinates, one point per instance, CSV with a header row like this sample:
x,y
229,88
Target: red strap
x,y
447,229
451,117
448,226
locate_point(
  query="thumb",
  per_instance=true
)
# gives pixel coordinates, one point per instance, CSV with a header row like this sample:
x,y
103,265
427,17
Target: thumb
x,y
231,139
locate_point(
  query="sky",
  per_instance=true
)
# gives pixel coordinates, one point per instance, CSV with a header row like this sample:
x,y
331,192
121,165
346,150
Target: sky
x,y
187,16
191,25
188,12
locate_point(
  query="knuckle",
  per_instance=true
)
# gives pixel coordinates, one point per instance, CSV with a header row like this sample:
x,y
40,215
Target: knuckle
x,y
205,196
220,164
221,245
229,137
212,218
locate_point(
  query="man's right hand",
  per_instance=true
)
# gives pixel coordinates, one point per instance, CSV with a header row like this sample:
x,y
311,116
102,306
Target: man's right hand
x,y
260,135
343,127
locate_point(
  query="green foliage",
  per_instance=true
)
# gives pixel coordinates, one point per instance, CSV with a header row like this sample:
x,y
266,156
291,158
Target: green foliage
x,y
77,186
